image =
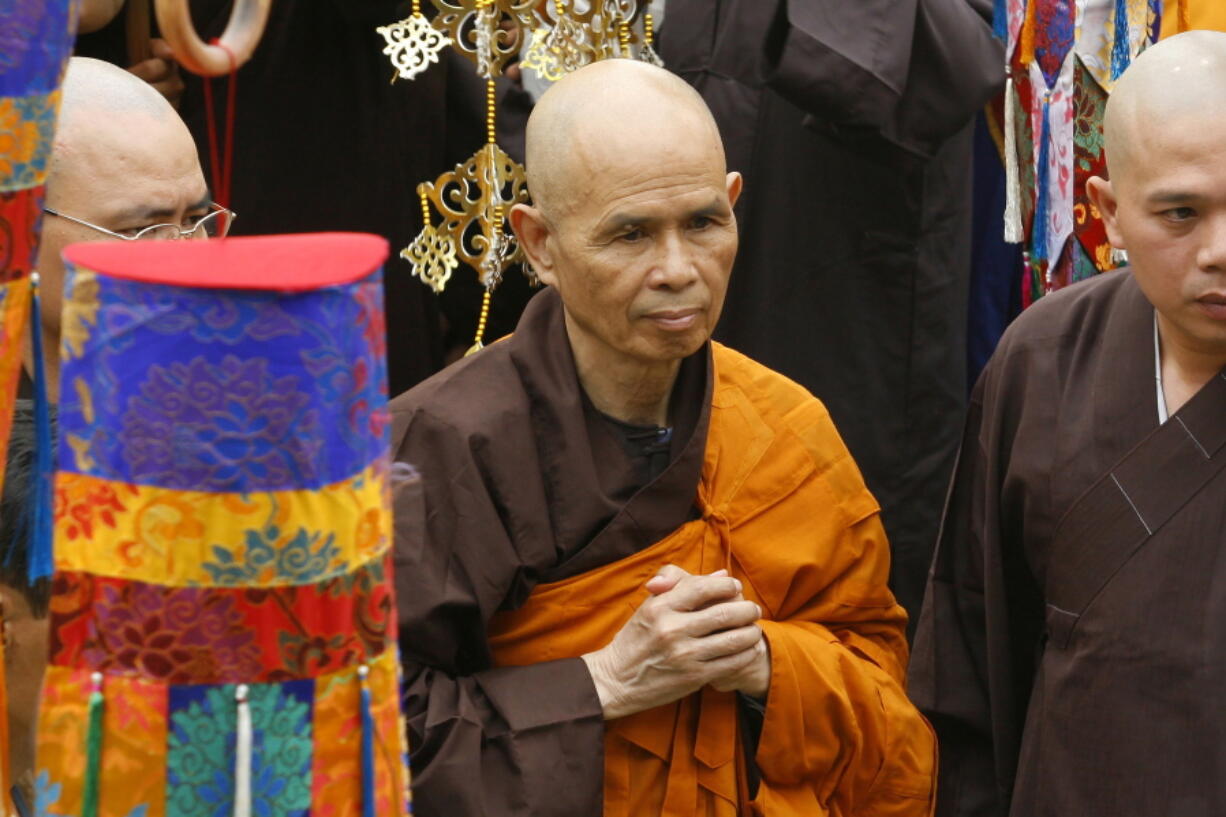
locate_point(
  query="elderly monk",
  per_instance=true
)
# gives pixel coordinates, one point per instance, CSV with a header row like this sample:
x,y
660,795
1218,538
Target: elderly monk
x,y
123,167
651,579
1072,647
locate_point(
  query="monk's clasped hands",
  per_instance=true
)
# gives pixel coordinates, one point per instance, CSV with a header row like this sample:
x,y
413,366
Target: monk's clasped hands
x,y
692,631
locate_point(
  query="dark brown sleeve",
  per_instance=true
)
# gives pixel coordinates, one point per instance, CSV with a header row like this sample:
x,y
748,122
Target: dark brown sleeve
x,y
484,741
915,71
972,664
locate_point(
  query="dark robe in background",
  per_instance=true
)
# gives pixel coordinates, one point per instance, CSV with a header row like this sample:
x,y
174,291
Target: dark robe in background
x,y
850,120
1072,648
324,141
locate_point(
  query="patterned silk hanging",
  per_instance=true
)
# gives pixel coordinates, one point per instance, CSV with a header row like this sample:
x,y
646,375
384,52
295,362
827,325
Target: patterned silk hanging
x,y
223,593
1093,251
35,41
1064,57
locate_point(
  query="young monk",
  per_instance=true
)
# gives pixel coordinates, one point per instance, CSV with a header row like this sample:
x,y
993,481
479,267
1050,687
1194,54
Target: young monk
x,y
652,581
1072,647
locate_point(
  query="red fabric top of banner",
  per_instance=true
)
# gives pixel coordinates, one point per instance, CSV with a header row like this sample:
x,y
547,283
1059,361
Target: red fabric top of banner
x,y
285,263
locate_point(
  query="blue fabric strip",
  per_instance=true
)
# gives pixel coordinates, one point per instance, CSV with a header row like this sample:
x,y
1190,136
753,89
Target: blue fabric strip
x,y
42,527
1038,252
36,38
1121,45
222,390
1000,20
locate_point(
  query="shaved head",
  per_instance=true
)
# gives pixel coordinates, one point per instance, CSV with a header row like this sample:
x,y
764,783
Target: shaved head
x,y
605,112
99,103
1165,201
122,160
91,84
1170,85
632,223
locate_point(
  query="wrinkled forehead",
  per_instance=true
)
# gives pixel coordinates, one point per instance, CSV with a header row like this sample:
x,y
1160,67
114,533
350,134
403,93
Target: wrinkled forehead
x,y
613,152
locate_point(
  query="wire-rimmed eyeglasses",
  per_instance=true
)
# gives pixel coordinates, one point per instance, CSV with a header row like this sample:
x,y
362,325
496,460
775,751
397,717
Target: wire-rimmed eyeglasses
x,y
214,224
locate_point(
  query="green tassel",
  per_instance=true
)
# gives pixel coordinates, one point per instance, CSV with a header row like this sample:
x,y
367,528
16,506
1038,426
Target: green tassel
x,y
93,750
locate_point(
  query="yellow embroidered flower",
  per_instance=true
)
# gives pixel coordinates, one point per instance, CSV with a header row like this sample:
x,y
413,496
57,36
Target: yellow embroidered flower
x,y
18,138
80,314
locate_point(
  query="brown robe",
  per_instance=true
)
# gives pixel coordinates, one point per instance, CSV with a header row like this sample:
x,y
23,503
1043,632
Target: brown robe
x,y
1072,647
536,545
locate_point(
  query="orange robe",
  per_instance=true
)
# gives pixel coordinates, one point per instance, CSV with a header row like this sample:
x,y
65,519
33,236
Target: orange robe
x,y
1210,14
785,509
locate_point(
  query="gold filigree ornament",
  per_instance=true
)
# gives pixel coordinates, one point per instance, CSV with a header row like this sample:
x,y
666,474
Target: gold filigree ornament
x,y
413,44
557,51
567,38
474,200
433,257
611,22
476,29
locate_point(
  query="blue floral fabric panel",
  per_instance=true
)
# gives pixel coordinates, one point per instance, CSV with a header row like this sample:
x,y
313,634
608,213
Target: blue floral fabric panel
x,y
201,750
36,39
224,391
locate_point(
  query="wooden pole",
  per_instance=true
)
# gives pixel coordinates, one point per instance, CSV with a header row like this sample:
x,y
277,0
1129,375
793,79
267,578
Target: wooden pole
x,y
136,24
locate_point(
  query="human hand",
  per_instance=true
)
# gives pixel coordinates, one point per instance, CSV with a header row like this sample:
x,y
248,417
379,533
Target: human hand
x,y
755,678
161,71
680,639
511,38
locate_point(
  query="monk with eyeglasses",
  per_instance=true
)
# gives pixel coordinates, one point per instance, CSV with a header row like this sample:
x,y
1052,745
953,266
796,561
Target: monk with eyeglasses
x,y
123,167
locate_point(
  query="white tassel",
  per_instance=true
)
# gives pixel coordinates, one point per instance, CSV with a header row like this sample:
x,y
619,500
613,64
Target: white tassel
x,y
242,753
1013,184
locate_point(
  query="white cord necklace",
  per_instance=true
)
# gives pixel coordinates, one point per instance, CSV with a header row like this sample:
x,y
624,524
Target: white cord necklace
x,y
1162,413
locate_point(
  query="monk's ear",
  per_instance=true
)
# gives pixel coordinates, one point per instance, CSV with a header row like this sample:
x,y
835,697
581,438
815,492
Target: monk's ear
x,y
1102,196
533,233
734,185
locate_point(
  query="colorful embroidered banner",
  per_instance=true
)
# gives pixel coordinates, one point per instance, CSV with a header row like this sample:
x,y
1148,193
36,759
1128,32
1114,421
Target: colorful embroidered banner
x,y
14,305
1063,56
220,391
170,750
36,39
1089,160
20,214
223,532
195,538
27,128
190,635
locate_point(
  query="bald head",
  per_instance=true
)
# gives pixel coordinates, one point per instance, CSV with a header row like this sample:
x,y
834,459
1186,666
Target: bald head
x,y
122,161
101,102
632,223
1175,83
1165,201
93,87
608,112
